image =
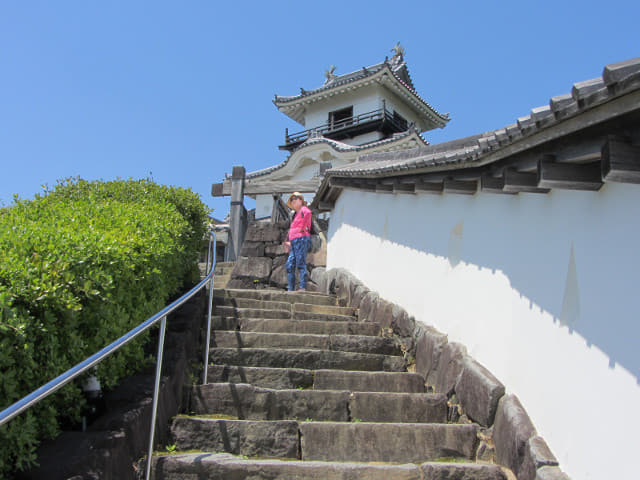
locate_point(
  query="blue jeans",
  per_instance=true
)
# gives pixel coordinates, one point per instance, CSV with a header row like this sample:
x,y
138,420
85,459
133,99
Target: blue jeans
x,y
298,258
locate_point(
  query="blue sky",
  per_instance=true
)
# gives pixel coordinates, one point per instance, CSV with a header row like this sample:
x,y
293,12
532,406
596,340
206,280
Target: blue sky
x,y
182,91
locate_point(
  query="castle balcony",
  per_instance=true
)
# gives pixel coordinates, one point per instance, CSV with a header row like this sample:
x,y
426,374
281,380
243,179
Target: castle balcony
x,y
381,120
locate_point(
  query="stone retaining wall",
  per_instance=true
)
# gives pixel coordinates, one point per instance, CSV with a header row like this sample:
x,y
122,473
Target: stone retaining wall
x,y
262,259
508,435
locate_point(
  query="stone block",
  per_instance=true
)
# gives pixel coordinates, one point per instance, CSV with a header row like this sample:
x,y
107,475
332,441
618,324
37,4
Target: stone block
x,y
274,250
317,259
307,359
449,367
193,466
458,471
551,473
358,293
252,249
368,442
255,268
402,323
279,276
367,306
263,232
242,283
382,313
512,430
279,260
398,407
263,439
368,381
537,454
319,277
261,377
429,346
478,392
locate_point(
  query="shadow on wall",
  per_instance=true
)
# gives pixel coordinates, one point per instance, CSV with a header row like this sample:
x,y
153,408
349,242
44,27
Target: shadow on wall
x,y
573,254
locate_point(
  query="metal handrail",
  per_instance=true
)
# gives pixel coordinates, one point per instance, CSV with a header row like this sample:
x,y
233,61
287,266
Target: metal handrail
x,y
57,383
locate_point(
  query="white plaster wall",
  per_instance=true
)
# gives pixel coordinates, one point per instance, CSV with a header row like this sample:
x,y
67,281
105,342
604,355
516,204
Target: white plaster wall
x,y
363,100
542,289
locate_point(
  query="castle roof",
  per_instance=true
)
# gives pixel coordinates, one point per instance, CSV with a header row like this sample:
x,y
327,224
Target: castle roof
x,y
571,135
392,73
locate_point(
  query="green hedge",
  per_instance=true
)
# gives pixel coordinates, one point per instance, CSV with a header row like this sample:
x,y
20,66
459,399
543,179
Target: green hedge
x,y
80,265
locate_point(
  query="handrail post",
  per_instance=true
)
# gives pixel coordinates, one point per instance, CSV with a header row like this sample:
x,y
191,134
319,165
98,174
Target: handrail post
x,y
208,340
156,389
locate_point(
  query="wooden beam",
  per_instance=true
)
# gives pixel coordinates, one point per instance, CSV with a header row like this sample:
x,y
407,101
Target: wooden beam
x,y
383,188
464,187
267,187
490,184
325,206
257,187
517,182
428,187
217,190
399,187
620,161
569,176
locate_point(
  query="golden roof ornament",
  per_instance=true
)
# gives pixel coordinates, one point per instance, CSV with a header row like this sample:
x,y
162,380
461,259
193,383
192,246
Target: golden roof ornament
x,y
329,73
398,50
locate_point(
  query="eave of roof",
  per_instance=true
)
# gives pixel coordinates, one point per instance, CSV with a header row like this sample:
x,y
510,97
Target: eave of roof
x,y
293,106
619,83
393,141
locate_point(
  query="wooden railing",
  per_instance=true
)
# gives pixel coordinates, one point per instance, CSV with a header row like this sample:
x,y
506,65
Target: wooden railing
x,y
377,115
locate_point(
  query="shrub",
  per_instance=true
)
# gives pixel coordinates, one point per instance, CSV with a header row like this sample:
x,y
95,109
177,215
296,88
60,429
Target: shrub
x,y
80,265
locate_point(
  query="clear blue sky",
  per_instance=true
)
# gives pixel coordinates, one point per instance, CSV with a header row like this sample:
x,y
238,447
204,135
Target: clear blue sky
x,y
182,91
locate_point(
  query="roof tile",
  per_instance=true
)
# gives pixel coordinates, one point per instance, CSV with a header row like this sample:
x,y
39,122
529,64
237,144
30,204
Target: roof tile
x,y
615,72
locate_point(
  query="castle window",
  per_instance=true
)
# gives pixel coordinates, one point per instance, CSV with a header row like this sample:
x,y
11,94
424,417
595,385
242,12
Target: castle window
x,y
341,118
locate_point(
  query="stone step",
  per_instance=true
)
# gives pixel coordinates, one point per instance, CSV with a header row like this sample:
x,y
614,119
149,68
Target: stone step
x,y
293,378
224,466
325,309
220,281
387,442
399,382
240,302
344,343
245,401
280,296
250,438
238,312
224,268
295,326
266,377
234,312
307,359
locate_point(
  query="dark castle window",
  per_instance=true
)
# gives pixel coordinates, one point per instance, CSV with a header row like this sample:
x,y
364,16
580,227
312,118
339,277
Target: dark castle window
x,y
340,118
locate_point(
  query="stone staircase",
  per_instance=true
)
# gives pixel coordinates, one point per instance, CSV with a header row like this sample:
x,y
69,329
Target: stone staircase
x,y
222,274
298,388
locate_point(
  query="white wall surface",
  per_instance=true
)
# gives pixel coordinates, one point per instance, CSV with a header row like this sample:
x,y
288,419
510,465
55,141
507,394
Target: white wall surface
x,y
363,100
544,290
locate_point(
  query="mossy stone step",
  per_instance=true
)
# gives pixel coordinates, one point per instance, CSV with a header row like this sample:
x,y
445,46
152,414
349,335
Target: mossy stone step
x,y
224,466
294,378
279,296
344,343
245,401
296,326
306,358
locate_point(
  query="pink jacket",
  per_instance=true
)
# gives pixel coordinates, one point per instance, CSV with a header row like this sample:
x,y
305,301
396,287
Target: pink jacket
x,y
301,224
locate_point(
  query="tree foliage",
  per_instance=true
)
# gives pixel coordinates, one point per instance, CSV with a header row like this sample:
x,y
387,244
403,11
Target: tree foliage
x,y
80,265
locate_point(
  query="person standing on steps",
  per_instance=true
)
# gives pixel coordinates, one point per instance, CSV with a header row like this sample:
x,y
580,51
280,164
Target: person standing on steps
x,y
299,240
